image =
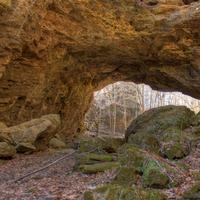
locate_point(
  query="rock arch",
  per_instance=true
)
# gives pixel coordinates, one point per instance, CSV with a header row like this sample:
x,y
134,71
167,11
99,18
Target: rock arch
x,y
54,54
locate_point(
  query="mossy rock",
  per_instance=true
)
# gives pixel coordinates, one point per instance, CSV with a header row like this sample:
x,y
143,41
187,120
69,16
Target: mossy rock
x,y
145,141
175,150
193,192
118,192
157,120
99,144
154,175
98,167
131,156
126,176
93,158
175,144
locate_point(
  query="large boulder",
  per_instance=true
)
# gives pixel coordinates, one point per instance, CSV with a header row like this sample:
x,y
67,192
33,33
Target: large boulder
x,y
154,172
6,150
160,130
157,120
36,132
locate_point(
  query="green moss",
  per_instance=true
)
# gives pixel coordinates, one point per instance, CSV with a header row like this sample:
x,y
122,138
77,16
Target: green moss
x,y
126,176
196,121
145,141
175,143
117,192
153,175
105,144
175,150
92,158
193,192
131,156
88,196
86,144
196,176
100,157
98,167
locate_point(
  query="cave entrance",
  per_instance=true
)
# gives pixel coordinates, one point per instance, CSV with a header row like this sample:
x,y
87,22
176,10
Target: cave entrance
x,y
116,105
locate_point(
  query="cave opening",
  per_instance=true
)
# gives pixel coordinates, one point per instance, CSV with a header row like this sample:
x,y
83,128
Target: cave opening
x,y
116,105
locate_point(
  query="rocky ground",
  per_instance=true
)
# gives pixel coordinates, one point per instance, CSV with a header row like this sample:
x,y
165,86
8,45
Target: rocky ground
x,y
61,182
158,159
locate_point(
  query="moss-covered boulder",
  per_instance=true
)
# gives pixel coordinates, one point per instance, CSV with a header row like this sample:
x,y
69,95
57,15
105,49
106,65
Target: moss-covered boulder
x,y
154,175
145,141
98,167
118,192
157,120
193,192
7,150
126,176
131,156
98,144
92,158
175,143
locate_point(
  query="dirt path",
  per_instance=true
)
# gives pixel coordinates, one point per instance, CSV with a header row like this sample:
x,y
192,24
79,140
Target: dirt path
x,y
55,183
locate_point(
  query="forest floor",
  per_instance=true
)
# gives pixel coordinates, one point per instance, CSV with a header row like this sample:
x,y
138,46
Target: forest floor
x,y
57,182
60,182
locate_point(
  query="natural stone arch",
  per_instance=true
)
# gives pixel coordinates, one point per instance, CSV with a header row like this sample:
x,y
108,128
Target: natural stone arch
x,y
54,54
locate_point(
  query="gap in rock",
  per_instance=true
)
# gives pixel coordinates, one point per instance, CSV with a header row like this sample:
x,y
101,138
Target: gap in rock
x,y
115,106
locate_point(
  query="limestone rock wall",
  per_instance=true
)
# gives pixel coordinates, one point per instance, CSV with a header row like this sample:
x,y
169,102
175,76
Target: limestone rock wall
x,y
54,54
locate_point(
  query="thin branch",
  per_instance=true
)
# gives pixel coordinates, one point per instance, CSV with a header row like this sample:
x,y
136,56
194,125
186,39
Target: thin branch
x,y
45,167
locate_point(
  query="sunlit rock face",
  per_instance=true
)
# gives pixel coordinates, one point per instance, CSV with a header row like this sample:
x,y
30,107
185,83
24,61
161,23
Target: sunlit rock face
x,y
54,54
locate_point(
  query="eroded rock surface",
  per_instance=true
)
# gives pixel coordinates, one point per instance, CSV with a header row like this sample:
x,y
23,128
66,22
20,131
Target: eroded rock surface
x,y
6,150
32,134
54,54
